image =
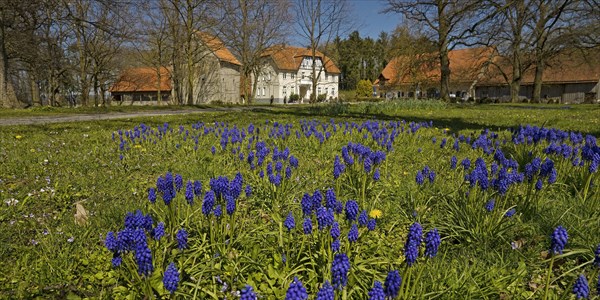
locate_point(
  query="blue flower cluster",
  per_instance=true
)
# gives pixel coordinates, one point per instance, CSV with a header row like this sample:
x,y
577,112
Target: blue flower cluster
x,y
581,289
171,278
392,284
134,239
425,173
296,291
339,270
326,292
377,293
247,293
355,152
558,240
413,242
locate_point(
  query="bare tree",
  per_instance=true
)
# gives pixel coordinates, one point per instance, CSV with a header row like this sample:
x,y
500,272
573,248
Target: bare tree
x,y
450,22
319,22
550,17
249,28
185,19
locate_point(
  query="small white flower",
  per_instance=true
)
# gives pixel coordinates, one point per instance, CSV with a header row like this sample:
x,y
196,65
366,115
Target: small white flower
x,y
71,239
11,202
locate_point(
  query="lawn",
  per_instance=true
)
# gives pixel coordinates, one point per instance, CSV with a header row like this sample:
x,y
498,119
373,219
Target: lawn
x,y
304,200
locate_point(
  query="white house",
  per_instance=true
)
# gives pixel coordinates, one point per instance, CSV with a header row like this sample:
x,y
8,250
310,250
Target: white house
x,y
287,71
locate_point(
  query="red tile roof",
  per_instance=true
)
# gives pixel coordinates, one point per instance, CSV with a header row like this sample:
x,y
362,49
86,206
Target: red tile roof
x,y
567,67
142,79
466,65
289,58
218,48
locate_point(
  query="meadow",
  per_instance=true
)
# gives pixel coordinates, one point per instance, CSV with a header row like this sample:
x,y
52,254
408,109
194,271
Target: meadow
x,y
397,200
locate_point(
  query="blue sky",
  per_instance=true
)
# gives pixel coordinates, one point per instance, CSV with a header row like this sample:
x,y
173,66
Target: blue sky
x,y
370,21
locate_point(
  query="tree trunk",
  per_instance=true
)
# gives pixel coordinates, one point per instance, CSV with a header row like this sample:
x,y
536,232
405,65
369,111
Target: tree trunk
x,y
8,98
35,91
538,81
444,30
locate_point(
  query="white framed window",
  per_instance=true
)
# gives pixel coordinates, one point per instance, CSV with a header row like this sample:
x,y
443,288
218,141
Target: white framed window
x,y
303,75
332,91
284,75
264,91
293,89
319,91
285,90
293,76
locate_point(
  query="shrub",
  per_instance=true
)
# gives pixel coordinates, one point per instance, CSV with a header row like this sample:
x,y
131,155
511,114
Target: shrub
x,y
364,88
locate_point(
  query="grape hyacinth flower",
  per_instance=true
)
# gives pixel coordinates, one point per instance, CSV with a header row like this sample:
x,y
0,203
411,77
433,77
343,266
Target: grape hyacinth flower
x,y
248,191
539,184
392,284
413,242
558,240
377,293
489,206
351,210
326,292
159,231
335,230
307,226
208,203
178,182
143,255
353,234
307,204
111,242
511,212
218,212
581,289
432,243
182,239
296,291
230,205
289,222
335,246
171,278
339,270
419,178
152,195
197,188
363,218
371,224
247,293
376,174
189,192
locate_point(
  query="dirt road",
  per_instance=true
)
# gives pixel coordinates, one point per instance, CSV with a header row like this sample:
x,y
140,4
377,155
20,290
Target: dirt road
x,y
40,120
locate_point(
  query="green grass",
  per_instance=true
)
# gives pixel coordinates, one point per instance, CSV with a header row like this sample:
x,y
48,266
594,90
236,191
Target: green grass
x,y
44,253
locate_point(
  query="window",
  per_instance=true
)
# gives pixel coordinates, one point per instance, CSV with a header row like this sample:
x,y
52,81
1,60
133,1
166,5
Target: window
x,y
284,76
326,77
302,75
319,91
293,89
293,76
285,90
326,91
333,91
264,91
269,76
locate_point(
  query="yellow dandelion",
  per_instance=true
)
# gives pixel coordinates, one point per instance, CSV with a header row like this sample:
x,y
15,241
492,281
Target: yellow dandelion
x,y
18,137
32,150
137,146
375,214
404,173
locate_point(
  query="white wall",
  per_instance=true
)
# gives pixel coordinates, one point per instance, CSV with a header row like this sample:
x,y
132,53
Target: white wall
x,y
283,83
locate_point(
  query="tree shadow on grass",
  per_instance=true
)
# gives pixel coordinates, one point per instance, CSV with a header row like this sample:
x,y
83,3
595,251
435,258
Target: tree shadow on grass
x,y
454,123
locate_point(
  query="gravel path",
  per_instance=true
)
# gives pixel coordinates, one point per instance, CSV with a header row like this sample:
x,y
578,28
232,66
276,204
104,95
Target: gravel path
x,y
40,120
